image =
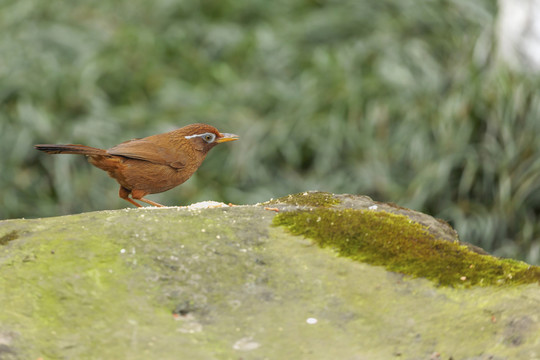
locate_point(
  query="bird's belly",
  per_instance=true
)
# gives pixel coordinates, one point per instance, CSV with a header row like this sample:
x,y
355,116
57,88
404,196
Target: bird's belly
x,y
151,178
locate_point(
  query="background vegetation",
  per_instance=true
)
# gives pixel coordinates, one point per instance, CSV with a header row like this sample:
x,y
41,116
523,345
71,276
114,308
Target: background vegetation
x,y
402,100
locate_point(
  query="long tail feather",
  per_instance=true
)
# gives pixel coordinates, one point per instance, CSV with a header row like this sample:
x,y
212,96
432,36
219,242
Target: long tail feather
x,y
69,149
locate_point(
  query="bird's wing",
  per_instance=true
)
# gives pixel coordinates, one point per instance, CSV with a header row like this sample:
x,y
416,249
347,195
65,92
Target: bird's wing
x,y
142,149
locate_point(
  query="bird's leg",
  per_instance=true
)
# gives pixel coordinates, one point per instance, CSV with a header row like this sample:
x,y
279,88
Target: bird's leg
x,y
153,203
133,202
138,195
124,194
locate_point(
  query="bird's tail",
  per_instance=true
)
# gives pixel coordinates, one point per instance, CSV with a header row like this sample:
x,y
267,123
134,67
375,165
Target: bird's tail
x,y
70,149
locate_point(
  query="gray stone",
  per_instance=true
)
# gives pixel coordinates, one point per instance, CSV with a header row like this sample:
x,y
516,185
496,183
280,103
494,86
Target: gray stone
x,y
223,283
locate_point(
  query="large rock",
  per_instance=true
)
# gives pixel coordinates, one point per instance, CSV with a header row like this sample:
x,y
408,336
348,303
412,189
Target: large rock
x,y
227,283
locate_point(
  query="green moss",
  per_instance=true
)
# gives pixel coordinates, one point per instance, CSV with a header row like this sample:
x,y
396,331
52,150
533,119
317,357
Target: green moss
x,y
400,245
311,198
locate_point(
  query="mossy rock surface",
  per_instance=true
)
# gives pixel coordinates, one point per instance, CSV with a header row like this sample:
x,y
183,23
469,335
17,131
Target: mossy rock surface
x,y
227,283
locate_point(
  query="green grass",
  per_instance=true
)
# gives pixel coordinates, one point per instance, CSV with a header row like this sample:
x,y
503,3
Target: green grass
x,y
400,100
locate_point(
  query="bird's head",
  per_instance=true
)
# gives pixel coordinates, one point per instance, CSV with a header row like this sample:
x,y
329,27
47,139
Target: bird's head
x,y
204,137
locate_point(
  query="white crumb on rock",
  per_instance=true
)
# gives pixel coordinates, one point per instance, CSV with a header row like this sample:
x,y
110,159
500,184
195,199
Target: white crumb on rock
x,y
246,344
196,206
206,205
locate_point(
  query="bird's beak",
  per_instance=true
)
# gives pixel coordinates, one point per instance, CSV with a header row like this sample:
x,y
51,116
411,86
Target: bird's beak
x,y
224,137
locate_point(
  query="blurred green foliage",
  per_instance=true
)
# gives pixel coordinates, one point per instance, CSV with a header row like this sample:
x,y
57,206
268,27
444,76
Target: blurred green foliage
x,y
400,100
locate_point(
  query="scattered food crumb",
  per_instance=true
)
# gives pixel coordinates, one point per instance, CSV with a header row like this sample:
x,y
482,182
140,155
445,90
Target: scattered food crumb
x,y
246,344
206,205
189,324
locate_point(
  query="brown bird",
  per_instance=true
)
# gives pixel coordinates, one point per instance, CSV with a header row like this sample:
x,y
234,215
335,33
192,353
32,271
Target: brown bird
x,y
153,164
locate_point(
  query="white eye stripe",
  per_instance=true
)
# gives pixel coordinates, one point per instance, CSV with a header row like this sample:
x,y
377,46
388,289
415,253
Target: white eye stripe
x,y
208,137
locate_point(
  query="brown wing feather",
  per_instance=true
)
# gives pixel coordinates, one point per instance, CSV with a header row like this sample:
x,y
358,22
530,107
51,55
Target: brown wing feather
x,y
142,149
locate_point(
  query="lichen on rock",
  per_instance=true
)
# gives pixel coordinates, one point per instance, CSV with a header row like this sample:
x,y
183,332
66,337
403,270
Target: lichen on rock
x,y
400,244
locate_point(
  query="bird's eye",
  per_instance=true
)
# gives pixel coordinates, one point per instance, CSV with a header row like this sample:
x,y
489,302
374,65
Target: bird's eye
x,y
209,137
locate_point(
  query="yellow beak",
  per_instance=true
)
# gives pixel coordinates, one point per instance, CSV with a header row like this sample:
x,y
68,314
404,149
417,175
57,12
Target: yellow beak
x,y
224,137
